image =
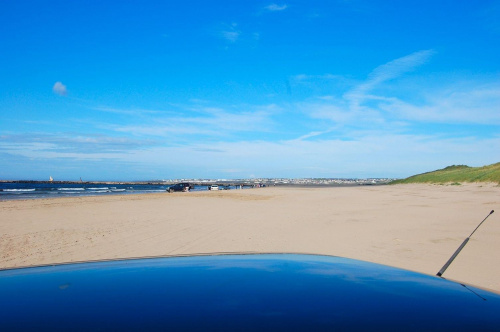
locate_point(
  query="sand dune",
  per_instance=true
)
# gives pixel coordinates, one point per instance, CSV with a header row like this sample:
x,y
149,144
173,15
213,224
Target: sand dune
x,y
416,227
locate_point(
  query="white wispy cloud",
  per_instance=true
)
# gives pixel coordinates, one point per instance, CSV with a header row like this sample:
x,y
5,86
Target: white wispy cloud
x,y
471,104
388,100
339,112
230,32
378,155
60,89
314,134
275,7
305,78
172,130
72,142
386,72
209,121
240,121
397,67
352,105
133,112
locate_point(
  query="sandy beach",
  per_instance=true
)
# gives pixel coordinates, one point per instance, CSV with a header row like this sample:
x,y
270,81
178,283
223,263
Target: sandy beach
x,y
415,227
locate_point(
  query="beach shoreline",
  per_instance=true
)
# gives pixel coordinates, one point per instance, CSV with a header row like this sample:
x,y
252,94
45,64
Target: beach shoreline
x,y
415,227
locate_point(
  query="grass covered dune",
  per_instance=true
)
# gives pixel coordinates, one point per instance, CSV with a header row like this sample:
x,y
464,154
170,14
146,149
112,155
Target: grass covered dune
x,y
456,174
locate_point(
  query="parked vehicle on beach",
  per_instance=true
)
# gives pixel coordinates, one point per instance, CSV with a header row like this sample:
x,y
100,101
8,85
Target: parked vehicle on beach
x,y
184,186
213,187
265,292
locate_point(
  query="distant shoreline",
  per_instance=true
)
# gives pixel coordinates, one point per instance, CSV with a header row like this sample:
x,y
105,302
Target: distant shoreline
x,y
32,189
84,182
269,182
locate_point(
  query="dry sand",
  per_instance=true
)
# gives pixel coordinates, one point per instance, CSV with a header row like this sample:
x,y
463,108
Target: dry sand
x,y
416,227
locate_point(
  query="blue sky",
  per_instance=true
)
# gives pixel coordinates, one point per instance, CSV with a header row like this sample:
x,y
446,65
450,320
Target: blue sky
x,y
137,90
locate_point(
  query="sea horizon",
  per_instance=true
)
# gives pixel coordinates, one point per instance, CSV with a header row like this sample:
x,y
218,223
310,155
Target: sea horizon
x,y
36,189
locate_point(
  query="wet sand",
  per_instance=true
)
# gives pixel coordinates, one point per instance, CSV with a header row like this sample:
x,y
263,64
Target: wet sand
x,y
415,227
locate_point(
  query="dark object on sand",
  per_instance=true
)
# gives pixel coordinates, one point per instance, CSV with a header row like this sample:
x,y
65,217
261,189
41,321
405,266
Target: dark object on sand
x,y
184,186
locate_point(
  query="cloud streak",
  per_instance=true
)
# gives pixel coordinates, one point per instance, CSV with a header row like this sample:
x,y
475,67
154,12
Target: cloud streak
x,y
230,33
386,72
71,143
132,112
209,122
474,104
276,8
386,101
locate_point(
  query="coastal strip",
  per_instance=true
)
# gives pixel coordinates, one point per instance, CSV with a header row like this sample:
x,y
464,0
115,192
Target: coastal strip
x,y
233,182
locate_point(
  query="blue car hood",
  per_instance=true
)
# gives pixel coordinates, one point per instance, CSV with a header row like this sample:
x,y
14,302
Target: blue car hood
x,y
239,292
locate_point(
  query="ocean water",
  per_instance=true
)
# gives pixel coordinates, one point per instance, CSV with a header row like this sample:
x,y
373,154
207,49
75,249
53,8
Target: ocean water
x,y
33,190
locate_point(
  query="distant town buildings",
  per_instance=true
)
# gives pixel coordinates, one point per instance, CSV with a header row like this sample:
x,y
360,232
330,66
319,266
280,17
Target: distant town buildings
x,y
287,181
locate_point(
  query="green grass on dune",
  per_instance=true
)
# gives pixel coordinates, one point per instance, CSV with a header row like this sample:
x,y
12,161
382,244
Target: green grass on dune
x,y
456,174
